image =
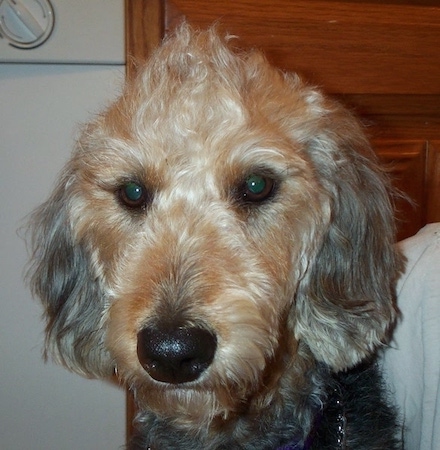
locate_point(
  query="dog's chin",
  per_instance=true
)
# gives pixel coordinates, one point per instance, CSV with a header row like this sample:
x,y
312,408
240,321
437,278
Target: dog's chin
x,y
191,405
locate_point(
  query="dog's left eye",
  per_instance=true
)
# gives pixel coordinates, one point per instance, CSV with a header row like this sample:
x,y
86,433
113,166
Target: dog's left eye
x,y
133,195
257,188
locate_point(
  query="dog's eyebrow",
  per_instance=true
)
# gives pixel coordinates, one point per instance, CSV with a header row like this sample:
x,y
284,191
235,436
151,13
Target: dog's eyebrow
x,y
276,171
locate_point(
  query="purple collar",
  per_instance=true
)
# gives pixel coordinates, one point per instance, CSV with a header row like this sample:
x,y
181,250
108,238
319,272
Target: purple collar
x,y
295,445
299,444
341,424
291,446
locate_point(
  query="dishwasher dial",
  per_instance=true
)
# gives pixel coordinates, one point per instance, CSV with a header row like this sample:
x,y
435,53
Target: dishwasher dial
x,y
26,23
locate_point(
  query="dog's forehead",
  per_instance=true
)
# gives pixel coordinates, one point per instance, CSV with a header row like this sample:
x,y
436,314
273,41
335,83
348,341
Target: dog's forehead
x,y
192,136
199,121
185,110
199,113
200,86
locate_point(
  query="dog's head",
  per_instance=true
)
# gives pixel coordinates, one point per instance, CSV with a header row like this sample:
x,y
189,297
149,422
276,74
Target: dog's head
x,y
219,226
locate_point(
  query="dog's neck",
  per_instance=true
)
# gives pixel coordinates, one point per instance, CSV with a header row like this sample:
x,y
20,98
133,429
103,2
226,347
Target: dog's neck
x,y
329,423
336,404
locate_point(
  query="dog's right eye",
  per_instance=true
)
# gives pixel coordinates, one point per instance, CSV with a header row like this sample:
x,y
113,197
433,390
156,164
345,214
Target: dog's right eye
x,y
133,195
256,188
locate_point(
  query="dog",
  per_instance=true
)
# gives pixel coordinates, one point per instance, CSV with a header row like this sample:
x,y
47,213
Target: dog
x,y
222,239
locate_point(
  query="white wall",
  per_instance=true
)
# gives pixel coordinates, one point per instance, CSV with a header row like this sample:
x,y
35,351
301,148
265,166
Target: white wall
x,y
42,406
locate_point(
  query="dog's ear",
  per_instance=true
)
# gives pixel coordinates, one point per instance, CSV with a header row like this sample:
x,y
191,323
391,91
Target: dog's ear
x,y
345,303
61,276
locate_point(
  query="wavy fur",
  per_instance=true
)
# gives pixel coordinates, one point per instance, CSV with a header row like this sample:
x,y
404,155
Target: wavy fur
x,y
293,288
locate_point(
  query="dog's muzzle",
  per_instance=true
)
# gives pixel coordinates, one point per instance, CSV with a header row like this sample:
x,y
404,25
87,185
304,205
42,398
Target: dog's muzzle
x,y
175,354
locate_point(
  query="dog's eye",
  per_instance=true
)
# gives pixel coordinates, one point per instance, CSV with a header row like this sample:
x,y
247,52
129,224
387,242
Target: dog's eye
x,y
257,188
134,195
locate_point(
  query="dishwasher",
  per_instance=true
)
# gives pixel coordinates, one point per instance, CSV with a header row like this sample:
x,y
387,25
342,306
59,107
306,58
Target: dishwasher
x,y
60,62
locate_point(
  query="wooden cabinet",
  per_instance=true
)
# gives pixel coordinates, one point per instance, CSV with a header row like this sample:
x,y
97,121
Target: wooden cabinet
x,y
381,58
410,162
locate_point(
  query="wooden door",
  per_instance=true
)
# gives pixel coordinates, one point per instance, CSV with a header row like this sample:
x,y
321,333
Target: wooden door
x,y
380,57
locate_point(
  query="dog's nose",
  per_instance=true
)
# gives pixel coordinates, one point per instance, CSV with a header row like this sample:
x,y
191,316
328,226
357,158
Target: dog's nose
x,y
175,355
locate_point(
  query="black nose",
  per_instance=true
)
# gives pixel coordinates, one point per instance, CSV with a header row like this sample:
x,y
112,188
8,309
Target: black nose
x,y
175,355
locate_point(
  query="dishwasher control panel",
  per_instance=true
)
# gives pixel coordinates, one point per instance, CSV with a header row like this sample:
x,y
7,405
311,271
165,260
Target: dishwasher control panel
x,y
62,31
26,23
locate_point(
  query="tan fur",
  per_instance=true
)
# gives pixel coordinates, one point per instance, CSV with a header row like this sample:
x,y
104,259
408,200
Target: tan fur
x,y
305,277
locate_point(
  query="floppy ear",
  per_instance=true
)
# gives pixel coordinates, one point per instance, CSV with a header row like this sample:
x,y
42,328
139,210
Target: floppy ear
x,y
61,276
345,303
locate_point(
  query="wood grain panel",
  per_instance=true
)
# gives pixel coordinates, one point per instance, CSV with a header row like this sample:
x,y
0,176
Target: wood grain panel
x,y
380,57
433,182
144,31
346,47
405,161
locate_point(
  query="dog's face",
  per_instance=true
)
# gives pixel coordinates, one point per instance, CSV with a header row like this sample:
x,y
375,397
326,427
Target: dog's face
x,y
218,229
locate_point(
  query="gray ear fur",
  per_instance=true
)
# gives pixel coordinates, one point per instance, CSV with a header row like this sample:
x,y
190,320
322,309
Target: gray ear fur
x,y
61,276
345,304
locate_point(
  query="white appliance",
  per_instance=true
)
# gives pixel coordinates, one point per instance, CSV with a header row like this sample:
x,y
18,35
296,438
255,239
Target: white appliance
x,y
50,80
